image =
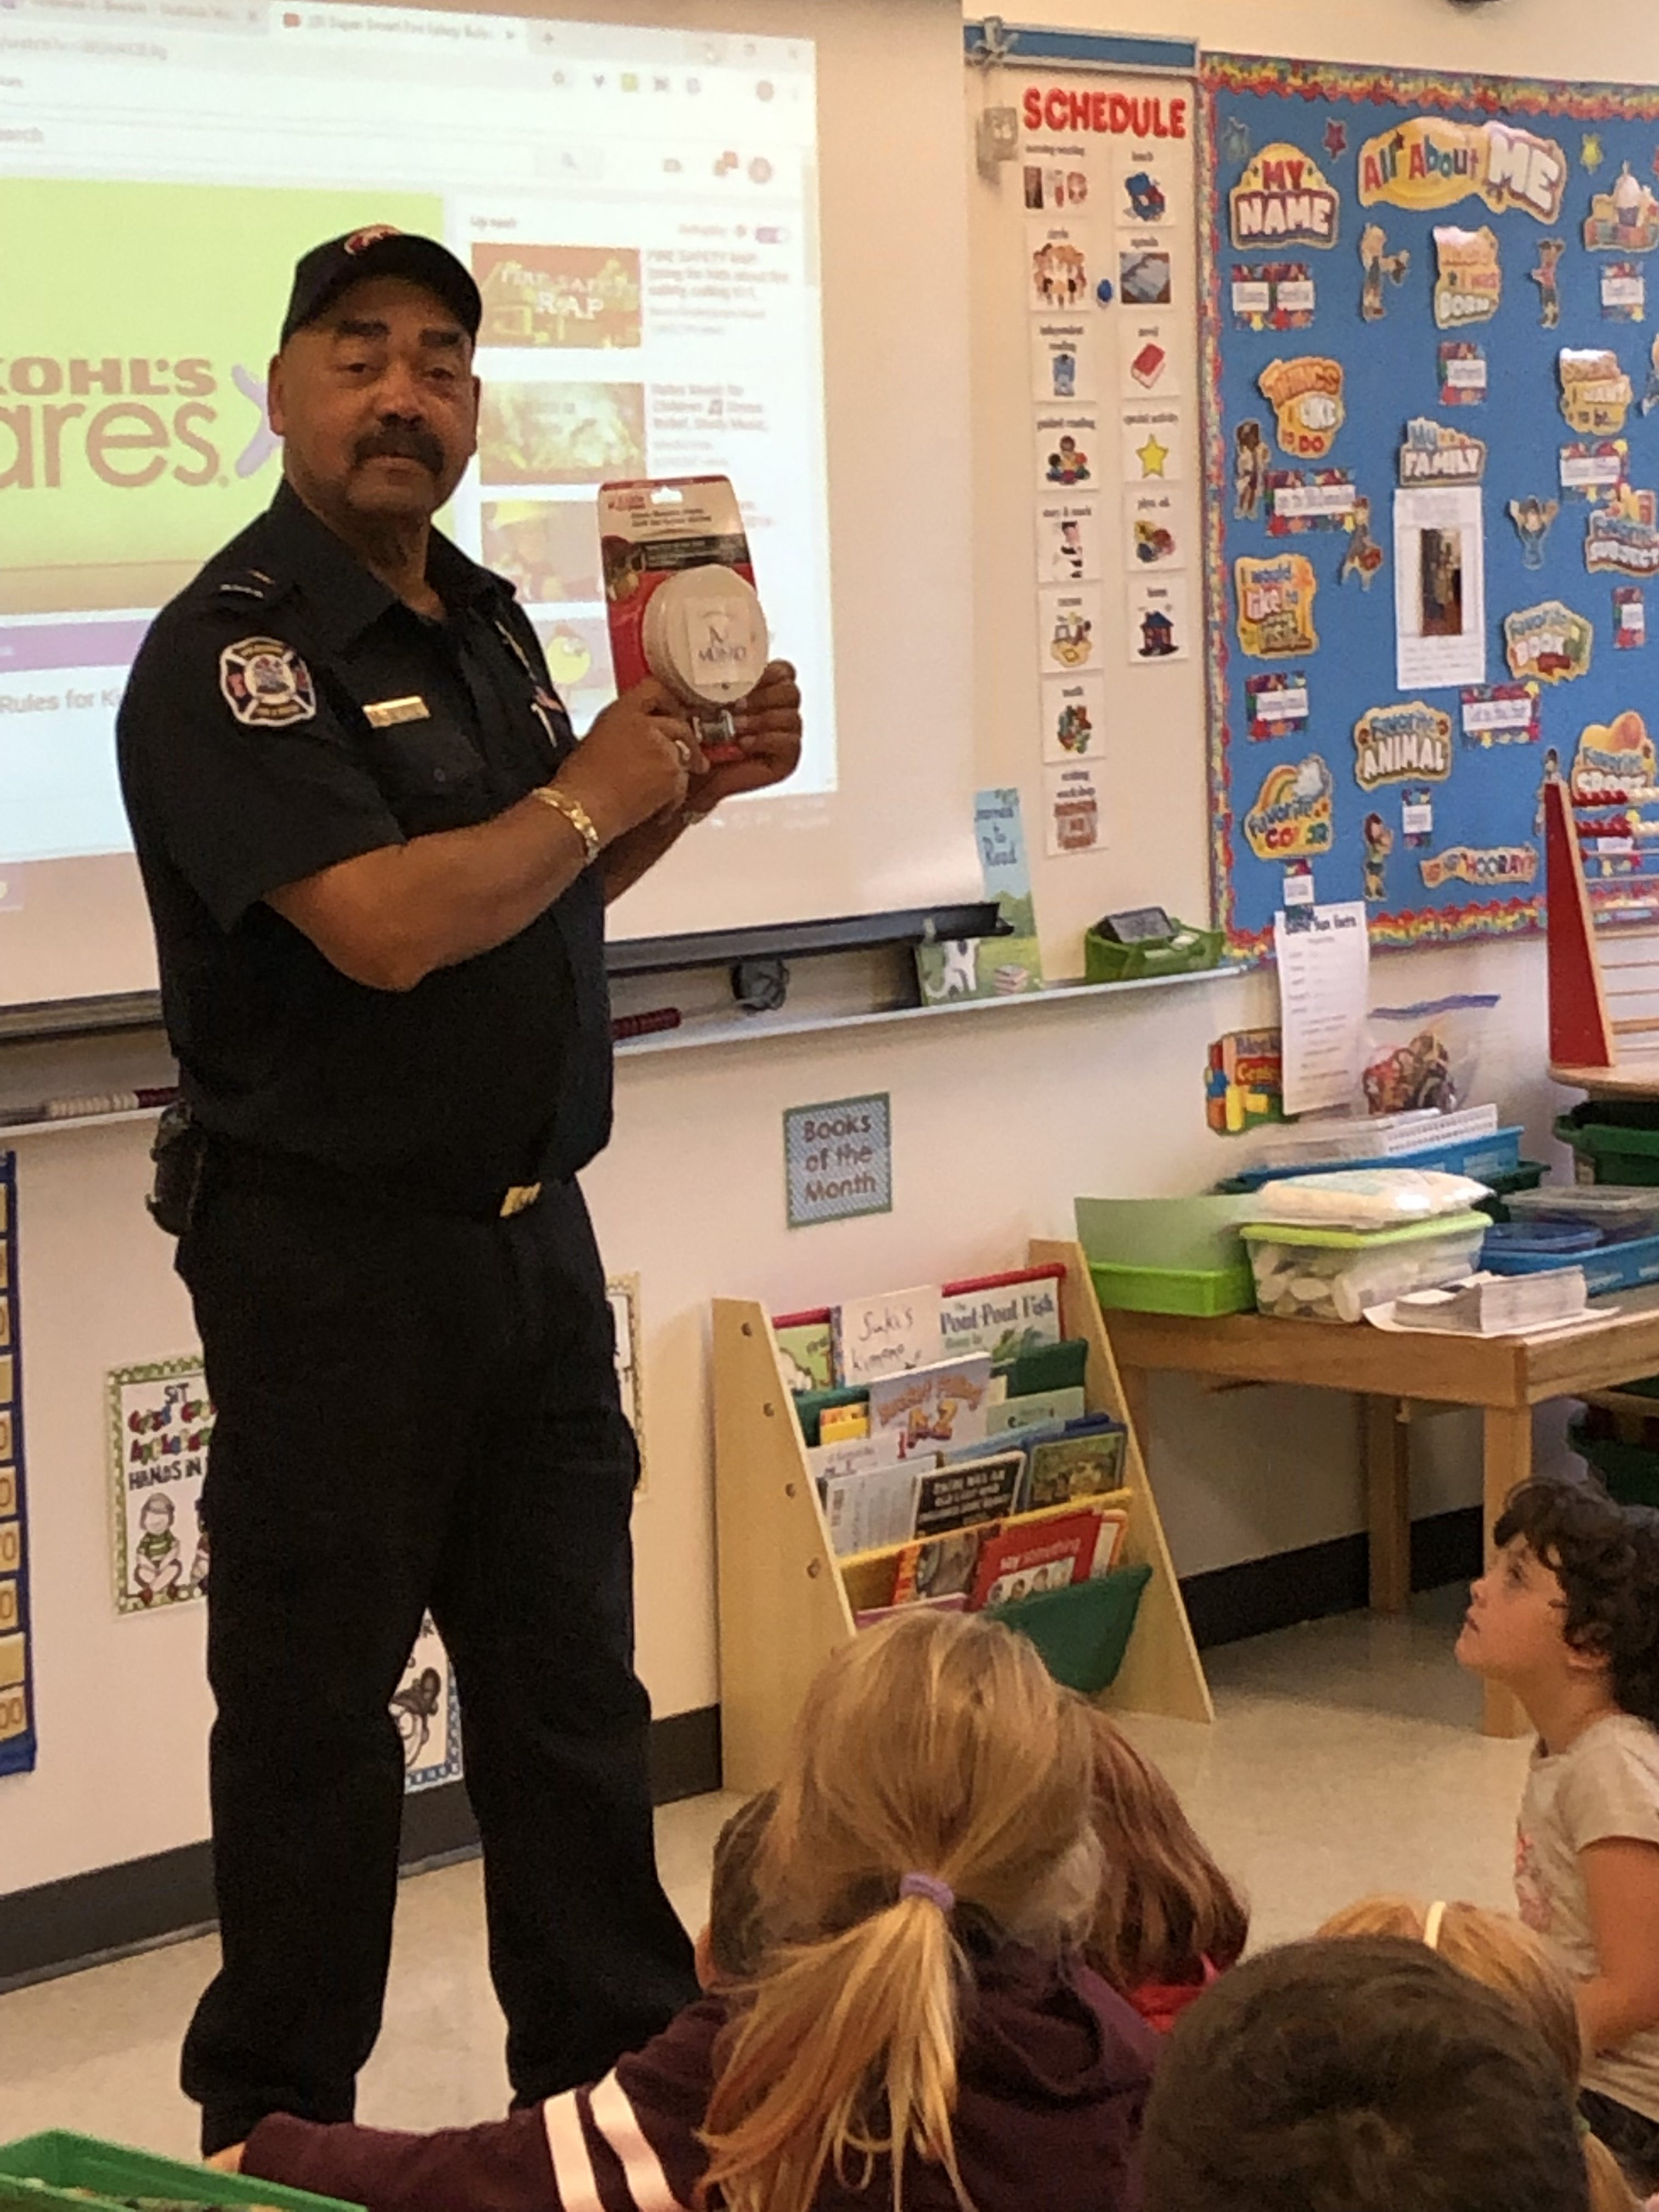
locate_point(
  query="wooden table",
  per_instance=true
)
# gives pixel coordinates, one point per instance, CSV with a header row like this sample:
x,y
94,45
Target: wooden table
x,y
1501,1377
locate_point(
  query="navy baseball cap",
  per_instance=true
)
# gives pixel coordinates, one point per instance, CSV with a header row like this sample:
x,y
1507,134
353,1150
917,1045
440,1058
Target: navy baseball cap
x,y
380,250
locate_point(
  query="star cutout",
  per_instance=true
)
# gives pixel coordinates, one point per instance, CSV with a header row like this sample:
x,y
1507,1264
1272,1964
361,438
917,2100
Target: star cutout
x,y
1336,138
1152,456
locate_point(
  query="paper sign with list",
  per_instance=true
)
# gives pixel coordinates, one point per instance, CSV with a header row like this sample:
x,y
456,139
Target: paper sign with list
x,y
1324,967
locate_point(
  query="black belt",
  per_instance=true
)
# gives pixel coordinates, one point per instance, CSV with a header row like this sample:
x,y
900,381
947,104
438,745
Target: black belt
x,y
248,1167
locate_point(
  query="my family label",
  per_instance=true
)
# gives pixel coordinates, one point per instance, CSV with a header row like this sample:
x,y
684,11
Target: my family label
x,y
1434,453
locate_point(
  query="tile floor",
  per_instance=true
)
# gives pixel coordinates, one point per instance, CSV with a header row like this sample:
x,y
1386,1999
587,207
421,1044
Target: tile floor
x,y
1345,1758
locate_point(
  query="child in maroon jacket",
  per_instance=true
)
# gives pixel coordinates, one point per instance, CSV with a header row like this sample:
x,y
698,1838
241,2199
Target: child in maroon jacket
x,y
1168,1921
914,1992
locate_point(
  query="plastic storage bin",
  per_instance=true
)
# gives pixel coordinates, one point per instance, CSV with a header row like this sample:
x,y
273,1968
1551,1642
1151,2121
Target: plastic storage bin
x,y
1104,962
1623,1265
80,2171
1335,1274
1609,1210
1483,1158
1179,1255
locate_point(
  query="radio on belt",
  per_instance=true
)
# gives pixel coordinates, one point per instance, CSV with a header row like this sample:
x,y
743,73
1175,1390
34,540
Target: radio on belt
x,y
680,591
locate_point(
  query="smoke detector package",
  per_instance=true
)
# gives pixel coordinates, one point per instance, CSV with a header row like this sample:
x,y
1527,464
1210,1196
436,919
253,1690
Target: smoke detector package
x,y
680,591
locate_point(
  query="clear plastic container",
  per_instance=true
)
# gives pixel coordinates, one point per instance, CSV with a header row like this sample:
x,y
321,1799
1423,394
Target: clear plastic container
x,y
1335,1274
1616,1209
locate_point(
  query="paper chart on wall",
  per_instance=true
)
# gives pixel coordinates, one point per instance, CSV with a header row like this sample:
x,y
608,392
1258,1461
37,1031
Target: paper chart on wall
x,y
1072,810
1324,966
426,1710
1440,591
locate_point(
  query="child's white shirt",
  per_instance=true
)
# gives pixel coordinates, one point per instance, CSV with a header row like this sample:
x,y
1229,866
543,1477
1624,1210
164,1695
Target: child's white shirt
x,y
1605,1785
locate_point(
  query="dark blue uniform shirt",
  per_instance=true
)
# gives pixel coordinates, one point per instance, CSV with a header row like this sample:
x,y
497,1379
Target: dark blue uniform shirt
x,y
260,744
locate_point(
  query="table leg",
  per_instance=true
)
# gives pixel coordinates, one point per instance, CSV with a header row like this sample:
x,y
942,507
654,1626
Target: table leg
x,y
1507,1437
1136,1398
1388,1503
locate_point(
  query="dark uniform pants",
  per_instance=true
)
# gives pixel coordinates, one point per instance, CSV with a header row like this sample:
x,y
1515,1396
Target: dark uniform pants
x,y
415,1410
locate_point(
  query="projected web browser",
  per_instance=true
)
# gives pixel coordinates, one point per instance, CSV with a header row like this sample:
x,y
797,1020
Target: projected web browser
x,y
639,208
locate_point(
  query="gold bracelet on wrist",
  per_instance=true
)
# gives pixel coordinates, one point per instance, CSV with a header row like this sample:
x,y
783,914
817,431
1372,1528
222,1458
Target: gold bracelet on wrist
x,y
575,814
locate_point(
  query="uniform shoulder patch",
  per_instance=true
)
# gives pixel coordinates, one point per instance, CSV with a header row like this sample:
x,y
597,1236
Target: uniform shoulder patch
x,y
266,683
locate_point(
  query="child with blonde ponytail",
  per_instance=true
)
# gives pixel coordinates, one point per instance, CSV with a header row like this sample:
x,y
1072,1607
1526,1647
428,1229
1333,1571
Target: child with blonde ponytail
x,y
1509,1958
912,2028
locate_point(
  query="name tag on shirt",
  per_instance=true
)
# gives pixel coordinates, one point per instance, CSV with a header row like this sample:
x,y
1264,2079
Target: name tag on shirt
x,y
386,713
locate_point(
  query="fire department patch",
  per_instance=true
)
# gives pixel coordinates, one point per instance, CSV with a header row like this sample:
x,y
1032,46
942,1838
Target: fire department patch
x,y
265,683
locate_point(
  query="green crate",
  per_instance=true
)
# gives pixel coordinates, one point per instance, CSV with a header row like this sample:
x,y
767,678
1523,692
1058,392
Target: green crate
x,y
1082,1632
1203,1292
60,2169
1105,962
1610,1144
1177,1256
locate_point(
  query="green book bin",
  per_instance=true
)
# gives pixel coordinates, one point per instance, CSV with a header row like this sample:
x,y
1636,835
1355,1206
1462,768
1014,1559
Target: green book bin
x,y
82,2172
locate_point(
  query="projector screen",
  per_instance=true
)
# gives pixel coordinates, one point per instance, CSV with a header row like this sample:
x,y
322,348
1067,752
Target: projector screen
x,y
640,208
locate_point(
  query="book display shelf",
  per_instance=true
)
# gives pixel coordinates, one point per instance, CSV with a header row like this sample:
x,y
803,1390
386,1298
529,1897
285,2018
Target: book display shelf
x,y
784,1607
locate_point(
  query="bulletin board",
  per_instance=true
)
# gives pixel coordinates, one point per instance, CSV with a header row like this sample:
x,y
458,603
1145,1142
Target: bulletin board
x,y
1432,389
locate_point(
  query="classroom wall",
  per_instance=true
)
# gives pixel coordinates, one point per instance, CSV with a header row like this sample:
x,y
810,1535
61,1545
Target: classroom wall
x,y
999,1121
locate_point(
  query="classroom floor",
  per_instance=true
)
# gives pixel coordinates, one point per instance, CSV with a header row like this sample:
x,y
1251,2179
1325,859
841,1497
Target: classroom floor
x,y
1345,1758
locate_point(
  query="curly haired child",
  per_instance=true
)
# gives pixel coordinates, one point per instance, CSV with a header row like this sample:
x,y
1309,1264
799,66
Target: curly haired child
x,y
1567,1616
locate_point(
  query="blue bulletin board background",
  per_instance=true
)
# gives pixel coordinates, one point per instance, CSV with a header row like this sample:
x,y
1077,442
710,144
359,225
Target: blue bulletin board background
x,y
1484,850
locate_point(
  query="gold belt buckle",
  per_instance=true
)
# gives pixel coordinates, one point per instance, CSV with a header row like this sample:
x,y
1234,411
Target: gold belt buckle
x,y
521,1195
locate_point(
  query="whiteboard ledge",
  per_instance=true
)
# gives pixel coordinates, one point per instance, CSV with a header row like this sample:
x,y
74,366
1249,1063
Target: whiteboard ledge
x,y
1031,45
760,1031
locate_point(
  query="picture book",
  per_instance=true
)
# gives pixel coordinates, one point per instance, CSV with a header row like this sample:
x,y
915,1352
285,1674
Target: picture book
x,y
891,1333
874,1507
837,1424
1004,1315
1035,1409
1009,963
1031,1555
933,1406
975,1491
806,1350
811,1405
855,1456
936,1566
1077,1467
1060,1366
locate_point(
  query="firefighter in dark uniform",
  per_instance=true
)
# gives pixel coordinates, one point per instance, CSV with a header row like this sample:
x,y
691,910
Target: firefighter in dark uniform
x,y
377,863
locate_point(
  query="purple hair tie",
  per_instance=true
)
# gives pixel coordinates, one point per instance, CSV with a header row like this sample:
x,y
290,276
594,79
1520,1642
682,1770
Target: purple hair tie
x,y
930,1887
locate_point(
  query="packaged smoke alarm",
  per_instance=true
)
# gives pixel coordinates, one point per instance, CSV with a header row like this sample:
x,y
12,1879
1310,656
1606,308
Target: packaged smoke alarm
x,y
680,591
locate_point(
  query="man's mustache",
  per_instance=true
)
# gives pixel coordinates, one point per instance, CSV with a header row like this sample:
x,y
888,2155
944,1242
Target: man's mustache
x,y
393,442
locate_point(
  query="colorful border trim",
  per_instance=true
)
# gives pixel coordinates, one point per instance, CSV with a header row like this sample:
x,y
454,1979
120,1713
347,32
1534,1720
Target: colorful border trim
x,y
1331,82
17,1752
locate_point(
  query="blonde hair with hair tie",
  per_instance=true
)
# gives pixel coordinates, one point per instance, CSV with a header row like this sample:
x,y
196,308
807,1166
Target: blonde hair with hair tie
x,y
937,1743
1505,1954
